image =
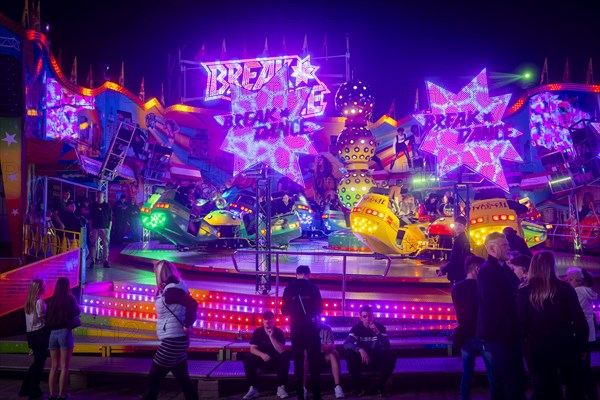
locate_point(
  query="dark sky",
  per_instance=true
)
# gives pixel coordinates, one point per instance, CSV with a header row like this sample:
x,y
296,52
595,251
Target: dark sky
x,y
394,48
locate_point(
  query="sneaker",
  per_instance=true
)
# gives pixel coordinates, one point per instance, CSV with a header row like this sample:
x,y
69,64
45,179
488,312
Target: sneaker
x,y
252,394
339,393
282,393
106,264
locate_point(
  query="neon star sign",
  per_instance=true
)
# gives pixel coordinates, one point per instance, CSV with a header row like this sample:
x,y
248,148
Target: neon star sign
x,y
253,74
466,129
268,120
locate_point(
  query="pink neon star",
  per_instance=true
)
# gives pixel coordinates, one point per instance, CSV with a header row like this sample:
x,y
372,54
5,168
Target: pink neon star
x,y
303,71
276,151
480,156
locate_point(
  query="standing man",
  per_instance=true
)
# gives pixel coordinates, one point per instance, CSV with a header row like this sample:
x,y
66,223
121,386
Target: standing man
x,y
59,210
461,248
400,147
497,323
302,302
368,347
100,225
120,213
267,352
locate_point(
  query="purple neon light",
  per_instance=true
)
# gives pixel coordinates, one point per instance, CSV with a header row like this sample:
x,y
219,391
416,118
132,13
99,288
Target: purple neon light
x,y
278,150
62,110
550,119
447,142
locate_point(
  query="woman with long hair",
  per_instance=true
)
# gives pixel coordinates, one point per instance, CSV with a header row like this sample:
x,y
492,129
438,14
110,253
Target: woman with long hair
x,y
62,318
175,315
37,338
555,330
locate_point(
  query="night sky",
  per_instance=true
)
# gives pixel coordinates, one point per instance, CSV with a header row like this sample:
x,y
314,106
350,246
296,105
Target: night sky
x,y
394,48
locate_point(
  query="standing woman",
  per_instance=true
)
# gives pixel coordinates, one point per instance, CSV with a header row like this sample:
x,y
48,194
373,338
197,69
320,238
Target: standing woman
x,y
37,338
62,318
175,314
555,330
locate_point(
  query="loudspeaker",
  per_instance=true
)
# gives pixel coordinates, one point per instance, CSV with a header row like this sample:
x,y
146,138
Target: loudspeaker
x,y
11,96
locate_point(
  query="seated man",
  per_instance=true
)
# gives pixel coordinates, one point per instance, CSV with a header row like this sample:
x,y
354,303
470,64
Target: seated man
x,y
330,357
368,347
267,352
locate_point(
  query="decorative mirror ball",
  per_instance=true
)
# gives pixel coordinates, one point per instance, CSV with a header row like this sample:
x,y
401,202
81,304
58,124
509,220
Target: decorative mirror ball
x,y
355,144
353,186
354,99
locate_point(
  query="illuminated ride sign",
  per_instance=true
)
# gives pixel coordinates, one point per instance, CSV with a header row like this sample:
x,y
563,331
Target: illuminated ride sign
x,y
550,119
62,110
466,129
269,110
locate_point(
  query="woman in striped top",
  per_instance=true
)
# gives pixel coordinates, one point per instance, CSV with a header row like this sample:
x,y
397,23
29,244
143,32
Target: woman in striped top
x,y
175,315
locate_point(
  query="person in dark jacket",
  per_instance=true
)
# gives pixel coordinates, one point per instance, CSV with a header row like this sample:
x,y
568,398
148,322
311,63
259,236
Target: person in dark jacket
x,y
302,302
464,299
554,327
267,352
175,316
368,347
461,249
516,243
62,316
497,324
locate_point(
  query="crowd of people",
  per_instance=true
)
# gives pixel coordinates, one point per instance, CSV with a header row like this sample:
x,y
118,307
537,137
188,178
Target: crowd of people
x,y
99,218
514,311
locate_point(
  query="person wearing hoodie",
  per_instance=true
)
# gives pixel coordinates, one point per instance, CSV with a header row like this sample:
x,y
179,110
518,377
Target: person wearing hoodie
x,y
302,302
576,278
175,315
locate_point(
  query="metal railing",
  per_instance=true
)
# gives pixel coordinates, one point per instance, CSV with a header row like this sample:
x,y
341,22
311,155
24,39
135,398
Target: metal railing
x,y
344,273
42,241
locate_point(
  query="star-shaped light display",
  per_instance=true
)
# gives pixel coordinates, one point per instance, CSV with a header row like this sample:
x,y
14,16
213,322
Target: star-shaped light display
x,y
274,149
303,71
455,136
9,139
14,212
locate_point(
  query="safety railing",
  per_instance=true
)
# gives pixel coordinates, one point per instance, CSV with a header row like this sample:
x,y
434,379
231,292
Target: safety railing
x,y
343,273
42,241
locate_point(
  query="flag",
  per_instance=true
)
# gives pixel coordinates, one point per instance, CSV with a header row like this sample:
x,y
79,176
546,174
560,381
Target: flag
x,y
416,106
162,93
38,20
223,50
244,50
392,111
90,79
122,76
142,94
567,73
305,45
25,16
589,76
266,48
544,74
325,45
74,71
203,52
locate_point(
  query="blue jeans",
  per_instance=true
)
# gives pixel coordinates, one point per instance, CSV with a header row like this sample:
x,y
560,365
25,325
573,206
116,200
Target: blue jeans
x,y
509,370
469,351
